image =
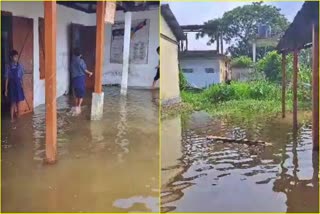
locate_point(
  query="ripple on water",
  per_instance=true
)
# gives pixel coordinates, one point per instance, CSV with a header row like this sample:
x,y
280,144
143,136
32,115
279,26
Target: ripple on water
x,y
252,177
97,160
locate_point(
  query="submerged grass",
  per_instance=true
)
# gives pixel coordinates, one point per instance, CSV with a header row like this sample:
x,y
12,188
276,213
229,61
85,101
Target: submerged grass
x,y
251,99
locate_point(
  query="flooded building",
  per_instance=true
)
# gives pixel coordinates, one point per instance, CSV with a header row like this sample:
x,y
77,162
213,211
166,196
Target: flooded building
x,y
170,34
23,30
203,68
116,135
119,51
302,33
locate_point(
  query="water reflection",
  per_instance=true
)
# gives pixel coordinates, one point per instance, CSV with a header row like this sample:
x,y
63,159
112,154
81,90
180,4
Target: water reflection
x,y
122,129
212,176
88,176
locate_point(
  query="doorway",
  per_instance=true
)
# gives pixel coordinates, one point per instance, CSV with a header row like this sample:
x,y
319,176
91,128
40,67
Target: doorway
x,y
84,38
17,34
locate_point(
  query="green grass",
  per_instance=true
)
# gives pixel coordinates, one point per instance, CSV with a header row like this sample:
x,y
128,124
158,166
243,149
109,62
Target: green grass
x,y
242,99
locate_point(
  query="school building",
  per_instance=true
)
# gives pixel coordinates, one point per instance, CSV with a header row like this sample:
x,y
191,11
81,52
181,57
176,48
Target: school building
x,y
45,33
23,30
171,34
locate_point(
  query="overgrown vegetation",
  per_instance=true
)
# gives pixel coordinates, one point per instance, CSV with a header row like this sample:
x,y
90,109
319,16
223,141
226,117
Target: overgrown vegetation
x,y
183,84
242,99
241,62
261,95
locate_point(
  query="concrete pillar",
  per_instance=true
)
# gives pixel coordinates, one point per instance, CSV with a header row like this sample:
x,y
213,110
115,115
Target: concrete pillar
x,y
97,106
126,52
254,48
50,20
98,95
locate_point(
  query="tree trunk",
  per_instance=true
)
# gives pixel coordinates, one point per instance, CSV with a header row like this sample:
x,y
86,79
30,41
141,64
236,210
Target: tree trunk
x,y
218,44
221,40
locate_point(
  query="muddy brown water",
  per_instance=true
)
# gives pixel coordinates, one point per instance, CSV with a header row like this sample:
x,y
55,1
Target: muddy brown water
x,y
110,165
231,177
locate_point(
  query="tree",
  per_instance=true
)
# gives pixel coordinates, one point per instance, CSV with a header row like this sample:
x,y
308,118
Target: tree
x,y
213,29
239,26
270,65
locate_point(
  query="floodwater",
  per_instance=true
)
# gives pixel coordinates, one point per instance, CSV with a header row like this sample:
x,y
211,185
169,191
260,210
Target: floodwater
x,y
202,176
110,165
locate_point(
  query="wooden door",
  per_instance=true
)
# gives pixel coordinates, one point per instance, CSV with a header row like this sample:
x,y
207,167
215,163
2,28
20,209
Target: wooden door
x,y
22,41
84,37
6,46
74,31
41,48
88,44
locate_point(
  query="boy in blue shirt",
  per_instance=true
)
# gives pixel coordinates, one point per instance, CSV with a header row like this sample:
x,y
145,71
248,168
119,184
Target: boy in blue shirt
x,y
78,74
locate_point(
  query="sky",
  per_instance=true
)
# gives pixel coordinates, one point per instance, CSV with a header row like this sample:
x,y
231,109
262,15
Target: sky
x,y
188,13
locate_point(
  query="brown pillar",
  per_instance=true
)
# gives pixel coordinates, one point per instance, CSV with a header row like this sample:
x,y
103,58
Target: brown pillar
x,y
315,87
294,88
283,85
99,46
50,80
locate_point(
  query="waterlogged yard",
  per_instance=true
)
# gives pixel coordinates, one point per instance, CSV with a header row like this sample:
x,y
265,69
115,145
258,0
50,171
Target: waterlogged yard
x,y
199,175
202,175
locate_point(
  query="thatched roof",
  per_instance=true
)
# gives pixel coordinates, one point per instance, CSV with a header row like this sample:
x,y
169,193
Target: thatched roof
x,y
172,22
299,33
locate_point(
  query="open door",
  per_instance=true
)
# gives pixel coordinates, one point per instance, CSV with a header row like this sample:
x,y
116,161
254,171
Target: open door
x,y
6,46
84,37
89,52
22,41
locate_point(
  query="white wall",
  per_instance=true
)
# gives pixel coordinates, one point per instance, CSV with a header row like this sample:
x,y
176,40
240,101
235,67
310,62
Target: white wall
x,y
199,78
241,74
140,75
65,16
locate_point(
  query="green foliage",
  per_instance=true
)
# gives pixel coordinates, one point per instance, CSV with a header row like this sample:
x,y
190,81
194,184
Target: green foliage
x,y
270,65
183,84
241,62
259,90
239,26
246,98
305,57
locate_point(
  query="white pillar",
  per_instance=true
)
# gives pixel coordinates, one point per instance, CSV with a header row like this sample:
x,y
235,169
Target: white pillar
x,y
254,51
126,52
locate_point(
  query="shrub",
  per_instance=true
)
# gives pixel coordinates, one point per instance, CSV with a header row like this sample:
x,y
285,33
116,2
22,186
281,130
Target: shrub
x,y
183,83
241,62
270,65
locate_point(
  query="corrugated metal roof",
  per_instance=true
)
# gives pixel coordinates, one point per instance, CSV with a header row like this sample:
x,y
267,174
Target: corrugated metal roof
x,y
205,54
90,6
299,33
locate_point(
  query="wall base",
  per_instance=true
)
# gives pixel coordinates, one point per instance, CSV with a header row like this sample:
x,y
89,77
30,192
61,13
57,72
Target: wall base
x,y
123,91
97,106
170,102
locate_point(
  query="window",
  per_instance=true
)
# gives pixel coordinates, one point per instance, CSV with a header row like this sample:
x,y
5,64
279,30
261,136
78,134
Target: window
x,y
187,70
209,70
